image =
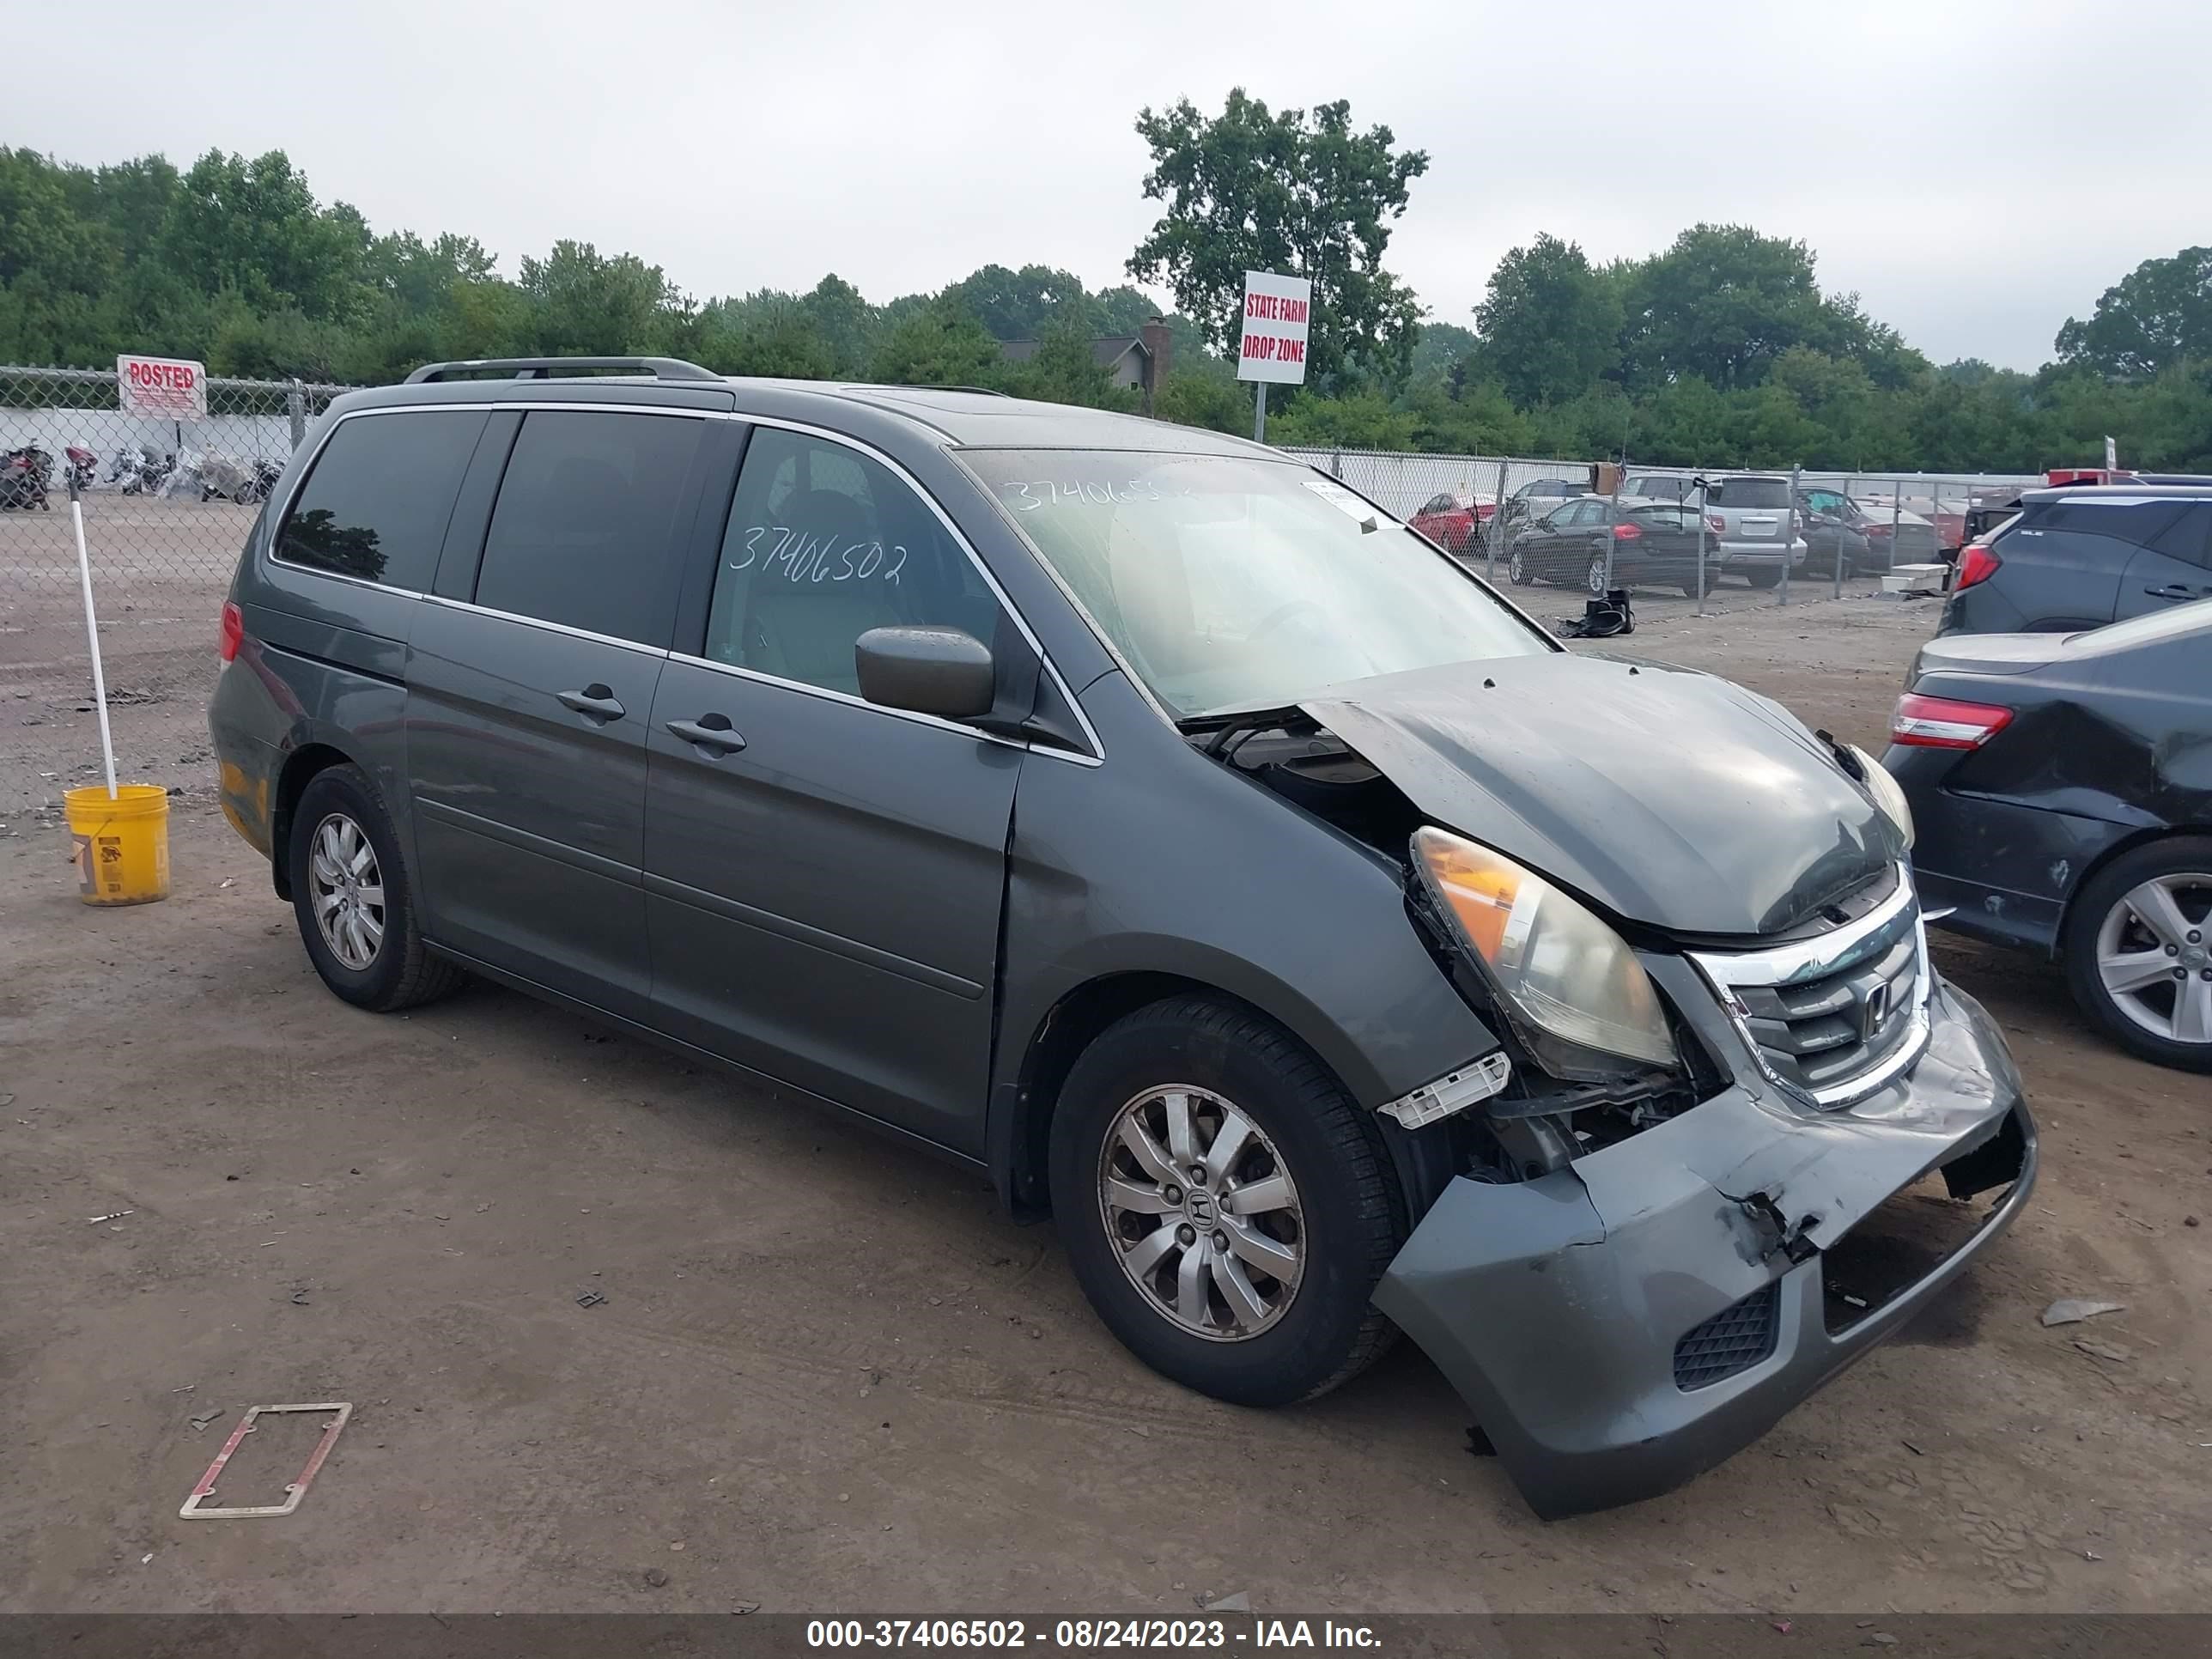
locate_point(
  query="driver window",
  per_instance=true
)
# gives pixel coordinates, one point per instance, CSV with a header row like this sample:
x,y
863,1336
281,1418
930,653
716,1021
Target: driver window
x,y
822,545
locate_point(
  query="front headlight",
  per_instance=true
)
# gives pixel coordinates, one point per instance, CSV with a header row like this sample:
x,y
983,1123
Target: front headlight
x,y
1573,983
1887,793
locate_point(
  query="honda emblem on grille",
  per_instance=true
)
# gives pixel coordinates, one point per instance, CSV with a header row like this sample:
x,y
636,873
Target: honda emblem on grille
x,y
1874,1013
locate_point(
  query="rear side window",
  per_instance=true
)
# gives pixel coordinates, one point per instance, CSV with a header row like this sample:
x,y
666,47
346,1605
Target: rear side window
x,y
583,532
376,504
2136,519
1755,492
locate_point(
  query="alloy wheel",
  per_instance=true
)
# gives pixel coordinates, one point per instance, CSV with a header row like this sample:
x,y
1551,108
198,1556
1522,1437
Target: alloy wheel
x,y
349,891
1202,1213
1596,579
2155,956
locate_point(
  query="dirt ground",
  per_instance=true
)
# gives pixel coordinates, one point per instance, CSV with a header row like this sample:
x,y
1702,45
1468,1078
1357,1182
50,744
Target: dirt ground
x,y
829,1376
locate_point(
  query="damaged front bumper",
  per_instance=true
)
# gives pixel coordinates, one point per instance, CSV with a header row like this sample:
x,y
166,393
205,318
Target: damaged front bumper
x,y
1619,1325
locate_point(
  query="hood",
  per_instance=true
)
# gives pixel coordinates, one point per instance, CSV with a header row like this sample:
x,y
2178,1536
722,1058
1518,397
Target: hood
x,y
1669,796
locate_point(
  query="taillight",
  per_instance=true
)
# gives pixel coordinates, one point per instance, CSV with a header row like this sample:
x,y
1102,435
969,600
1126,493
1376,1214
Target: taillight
x,y
1626,533
1717,524
1945,723
233,629
1978,563
1871,530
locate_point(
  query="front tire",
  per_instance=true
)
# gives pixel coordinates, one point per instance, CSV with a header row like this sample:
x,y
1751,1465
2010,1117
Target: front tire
x,y
1594,578
1760,575
2138,951
1517,569
1227,1208
355,899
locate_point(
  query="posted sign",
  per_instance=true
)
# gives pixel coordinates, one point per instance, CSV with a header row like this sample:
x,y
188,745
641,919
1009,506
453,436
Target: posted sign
x,y
168,387
1275,312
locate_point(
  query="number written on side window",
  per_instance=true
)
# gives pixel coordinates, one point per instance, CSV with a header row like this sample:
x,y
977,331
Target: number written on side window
x,y
824,544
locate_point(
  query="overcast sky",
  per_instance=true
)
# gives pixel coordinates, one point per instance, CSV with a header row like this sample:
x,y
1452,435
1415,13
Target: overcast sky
x,y
1977,169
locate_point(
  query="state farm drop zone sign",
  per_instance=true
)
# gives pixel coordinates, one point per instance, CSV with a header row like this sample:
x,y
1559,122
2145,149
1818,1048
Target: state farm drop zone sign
x,y
1277,310
171,388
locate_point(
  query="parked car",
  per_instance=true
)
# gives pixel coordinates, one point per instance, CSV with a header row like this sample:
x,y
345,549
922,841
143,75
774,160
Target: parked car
x,y
1653,544
1893,537
2064,805
1537,497
1358,959
1944,508
2080,556
1458,524
1759,531
1835,536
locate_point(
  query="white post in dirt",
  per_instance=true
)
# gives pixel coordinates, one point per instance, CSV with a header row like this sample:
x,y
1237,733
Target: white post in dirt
x,y
92,637
1790,533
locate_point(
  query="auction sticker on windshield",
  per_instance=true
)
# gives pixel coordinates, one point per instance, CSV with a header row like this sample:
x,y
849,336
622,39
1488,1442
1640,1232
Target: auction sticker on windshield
x,y
1365,514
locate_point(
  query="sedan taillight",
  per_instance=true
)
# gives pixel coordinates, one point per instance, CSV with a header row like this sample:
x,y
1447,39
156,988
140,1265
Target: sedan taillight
x,y
1945,723
233,631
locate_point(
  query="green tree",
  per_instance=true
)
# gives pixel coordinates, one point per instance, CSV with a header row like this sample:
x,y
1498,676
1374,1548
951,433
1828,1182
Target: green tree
x,y
1020,305
586,303
1550,322
1249,189
255,227
1722,303
2157,317
942,345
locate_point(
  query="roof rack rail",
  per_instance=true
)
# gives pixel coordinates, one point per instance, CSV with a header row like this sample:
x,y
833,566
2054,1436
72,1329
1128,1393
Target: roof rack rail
x,y
980,391
539,368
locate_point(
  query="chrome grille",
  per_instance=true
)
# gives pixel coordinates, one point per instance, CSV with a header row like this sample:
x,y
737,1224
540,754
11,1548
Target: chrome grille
x,y
1834,1017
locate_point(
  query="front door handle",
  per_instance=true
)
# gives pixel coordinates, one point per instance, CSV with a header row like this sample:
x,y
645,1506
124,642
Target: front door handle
x,y
2172,591
711,732
594,702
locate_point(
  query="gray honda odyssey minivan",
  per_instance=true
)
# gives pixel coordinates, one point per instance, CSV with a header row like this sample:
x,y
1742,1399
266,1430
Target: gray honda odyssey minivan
x,y
1143,817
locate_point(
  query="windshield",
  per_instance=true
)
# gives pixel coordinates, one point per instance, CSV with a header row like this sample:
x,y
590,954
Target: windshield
x,y
1234,583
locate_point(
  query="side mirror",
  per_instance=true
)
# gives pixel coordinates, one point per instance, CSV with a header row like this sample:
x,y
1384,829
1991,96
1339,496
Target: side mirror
x,y
927,671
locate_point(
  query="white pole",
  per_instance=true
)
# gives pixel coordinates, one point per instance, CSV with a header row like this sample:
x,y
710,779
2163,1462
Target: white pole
x,y
91,636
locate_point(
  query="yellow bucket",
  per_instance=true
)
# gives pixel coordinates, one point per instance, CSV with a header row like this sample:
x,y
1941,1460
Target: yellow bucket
x,y
123,844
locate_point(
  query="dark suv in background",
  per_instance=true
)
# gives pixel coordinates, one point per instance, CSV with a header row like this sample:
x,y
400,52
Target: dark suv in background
x,y
2081,556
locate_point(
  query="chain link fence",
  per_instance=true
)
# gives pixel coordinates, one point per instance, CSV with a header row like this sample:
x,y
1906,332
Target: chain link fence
x,y
167,502
1717,537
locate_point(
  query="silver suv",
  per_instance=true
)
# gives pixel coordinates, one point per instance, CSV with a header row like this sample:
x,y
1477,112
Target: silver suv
x,y
1750,515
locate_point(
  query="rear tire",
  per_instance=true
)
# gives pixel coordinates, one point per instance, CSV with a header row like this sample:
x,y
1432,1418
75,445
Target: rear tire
x,y
1763,575
355,899
1596,579
1516,569
2120,914
1242,1335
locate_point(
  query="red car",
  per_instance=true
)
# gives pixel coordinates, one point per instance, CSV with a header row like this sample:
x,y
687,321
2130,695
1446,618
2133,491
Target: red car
x,y
1456,524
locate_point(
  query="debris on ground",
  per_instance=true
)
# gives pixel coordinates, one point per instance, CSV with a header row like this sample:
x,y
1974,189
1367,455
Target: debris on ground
x,y
1879,1638
655,1577
113,1215
2073,1309
591,1298
1236,1601
199,1420
2104,1350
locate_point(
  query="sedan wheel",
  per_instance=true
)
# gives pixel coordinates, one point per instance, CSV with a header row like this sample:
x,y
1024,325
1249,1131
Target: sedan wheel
x,y
2155,956
1203,1213
2138,950
1597,579
348,891
1517,569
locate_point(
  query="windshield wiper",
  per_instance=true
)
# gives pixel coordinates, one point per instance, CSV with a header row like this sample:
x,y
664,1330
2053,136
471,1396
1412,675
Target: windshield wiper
x,y
1218,728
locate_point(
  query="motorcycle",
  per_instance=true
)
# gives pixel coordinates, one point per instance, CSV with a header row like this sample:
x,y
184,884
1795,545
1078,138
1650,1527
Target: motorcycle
x,y
82,465
141,471
24,476
229,479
